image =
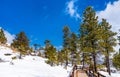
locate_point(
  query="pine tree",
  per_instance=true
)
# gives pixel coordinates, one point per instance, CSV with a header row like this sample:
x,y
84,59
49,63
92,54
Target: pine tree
x,y
73,48
116,60
89,34
50,53
36,47
82,42
66,44
21,43
61,57
107,41
47,45
3,39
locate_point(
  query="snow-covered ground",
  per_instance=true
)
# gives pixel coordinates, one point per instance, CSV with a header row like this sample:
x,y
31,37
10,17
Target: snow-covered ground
x,y
29,66
32,66
112,74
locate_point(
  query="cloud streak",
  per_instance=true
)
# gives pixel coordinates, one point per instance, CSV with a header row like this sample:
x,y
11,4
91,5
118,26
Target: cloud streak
x,y
71,9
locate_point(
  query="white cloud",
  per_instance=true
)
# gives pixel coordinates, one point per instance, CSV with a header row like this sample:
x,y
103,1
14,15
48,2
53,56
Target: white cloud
x,y
112,14
9,36
71,9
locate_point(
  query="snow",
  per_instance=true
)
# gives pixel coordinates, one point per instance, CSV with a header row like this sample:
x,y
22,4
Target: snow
x,y
112,74
29,66
32,66
6,50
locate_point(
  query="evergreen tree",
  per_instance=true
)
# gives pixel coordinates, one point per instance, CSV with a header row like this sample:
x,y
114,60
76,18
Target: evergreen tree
x,y
47,45
36,47
66,43
61,57
82,42
73,48
50,53
3,39
21,43
107,41
116,60
89,34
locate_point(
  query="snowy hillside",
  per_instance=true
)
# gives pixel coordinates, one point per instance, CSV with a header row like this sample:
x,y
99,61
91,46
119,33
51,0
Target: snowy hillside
x,y
29,66
117,74
4,51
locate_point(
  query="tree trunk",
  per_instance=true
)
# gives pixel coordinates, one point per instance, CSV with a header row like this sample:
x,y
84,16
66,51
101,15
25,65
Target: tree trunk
x,y
83,61
66,58
20,57
72,58
72,62
108,63
66,62
94,60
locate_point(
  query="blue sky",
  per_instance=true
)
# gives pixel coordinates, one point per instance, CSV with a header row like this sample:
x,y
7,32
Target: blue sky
x,y
44,19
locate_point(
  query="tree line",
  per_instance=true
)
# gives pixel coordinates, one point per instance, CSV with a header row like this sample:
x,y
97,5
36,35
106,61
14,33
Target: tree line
x,y
94,38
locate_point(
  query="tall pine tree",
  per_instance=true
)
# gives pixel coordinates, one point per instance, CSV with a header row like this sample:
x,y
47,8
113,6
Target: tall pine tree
x,y
73,48
61,57
21,43
3,39
66,43
47,45
50,53
107,41
89,34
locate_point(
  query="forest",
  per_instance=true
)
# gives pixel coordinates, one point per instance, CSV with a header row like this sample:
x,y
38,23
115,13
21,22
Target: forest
x,y
93,41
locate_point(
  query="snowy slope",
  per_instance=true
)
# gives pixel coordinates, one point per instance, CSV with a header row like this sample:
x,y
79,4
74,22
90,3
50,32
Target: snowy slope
x,y
112,74
6,50
29,66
